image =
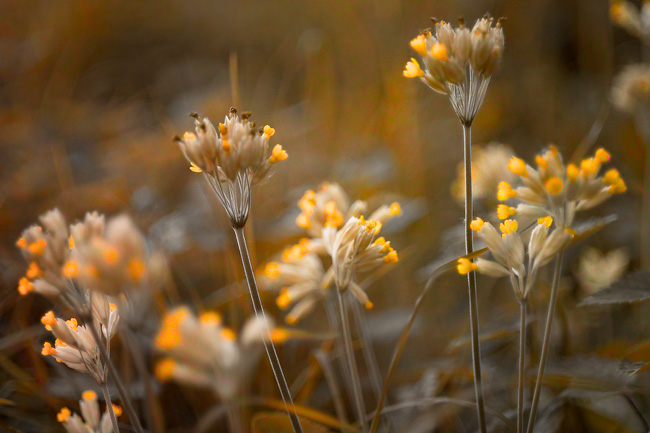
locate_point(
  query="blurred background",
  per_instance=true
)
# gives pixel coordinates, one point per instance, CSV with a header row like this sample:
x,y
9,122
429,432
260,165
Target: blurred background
x,y
91,93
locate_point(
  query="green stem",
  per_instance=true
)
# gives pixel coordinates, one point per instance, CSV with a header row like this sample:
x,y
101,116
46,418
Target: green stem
x,y
124,396
522,358
268,342
109,408
352,365
471,281
545,344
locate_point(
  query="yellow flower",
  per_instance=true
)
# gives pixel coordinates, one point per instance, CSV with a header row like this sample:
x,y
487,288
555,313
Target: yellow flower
x,y
505,191
518,166
413,70
477,224
439,52
505,212
278,154
508,226
554,186
419,44
465,266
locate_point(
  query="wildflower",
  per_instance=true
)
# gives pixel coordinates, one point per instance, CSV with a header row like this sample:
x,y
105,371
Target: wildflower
x,y
90,421
560,191
300,280
202,352
330,206
489,167
356,248
75,345
459,62
631,89
233,159
597,269
511,256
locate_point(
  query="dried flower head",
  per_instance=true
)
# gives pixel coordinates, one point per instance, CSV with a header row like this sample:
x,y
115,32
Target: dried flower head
x,y
631,89
355,248
597,269
511,256
459,62
201,352
489,167
75,346
299,276
559,190
232,159
90,421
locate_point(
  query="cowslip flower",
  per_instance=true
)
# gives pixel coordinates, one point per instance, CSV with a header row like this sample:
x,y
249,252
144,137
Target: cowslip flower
x,y
299,276
356,248
75,346
330,206
512,257
201,352
459,62
559,190
232,159
90,420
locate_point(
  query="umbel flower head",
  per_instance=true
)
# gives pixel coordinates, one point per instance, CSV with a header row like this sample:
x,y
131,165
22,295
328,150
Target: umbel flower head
x,y
559,190
631,89
75,345
299,272
459,62
511,256
195,348
91,421
232,159
356,248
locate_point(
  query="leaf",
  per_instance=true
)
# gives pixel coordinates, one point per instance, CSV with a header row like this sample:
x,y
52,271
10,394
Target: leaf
x,y
273,422
634,287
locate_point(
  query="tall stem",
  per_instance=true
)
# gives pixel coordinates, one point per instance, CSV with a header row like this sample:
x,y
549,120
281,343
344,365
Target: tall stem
x,y
109,408
352,365
268,342
545,344
234,417
471,281
366,348
124,396
522,365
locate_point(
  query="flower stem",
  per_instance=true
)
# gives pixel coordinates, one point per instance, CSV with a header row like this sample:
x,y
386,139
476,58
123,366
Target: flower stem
x,y
522,358
124,396
352,365
471,281
268,342
109,408
545,344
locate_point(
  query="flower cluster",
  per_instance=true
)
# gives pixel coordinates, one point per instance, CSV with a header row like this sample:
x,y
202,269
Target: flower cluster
x,y
559,190
631,89
459,62
233,158
338,230
75,345
107,257
201,352
513,258
90,420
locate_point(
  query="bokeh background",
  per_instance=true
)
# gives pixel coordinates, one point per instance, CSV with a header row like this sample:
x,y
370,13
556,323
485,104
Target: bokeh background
x,y
91,93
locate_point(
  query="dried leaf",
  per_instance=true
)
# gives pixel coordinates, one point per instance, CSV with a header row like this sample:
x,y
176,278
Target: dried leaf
x,y
634,287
